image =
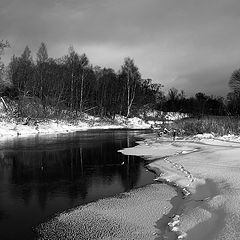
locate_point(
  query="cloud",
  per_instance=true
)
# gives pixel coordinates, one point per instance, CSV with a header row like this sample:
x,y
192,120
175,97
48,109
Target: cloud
x,y
186,43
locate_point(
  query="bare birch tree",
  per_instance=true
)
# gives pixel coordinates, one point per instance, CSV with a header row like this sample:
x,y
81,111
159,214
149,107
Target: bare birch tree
x,y
132,77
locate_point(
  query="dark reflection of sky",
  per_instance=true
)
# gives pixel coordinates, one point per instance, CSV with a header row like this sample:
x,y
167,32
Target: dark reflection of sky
x,y
42,176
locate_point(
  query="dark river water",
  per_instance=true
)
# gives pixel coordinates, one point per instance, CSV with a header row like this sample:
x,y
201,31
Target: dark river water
x,y
43,176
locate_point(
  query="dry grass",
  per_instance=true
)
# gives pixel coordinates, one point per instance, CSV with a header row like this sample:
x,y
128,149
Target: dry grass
x,y
217,125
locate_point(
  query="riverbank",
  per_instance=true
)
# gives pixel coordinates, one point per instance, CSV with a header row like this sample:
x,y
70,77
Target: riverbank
x,y
131,215
10,128
20,127
207,170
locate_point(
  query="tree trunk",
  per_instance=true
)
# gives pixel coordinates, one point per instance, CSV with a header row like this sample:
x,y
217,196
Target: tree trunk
x,y
128,94
71,98
81,95
131,95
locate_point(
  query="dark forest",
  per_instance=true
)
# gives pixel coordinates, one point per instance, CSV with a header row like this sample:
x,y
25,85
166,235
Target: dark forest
x,y
47,87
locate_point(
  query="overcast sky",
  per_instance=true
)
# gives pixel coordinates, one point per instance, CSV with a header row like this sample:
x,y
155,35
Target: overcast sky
x,y
192,45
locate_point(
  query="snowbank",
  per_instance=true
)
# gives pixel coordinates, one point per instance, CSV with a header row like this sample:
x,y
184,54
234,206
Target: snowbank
x,y
208,171
175,116
225,138
170,116
12,128
130,215
204,136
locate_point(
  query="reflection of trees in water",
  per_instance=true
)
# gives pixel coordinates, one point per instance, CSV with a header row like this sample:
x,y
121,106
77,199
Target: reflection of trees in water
x,y
117,164
70,170
2,214
45,173
131,174
132,170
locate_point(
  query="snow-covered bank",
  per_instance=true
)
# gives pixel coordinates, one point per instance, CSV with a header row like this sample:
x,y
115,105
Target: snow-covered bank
x,y
132,215
208,170
12,128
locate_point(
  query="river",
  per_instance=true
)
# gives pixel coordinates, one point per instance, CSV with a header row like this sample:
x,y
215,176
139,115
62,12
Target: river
x,y
42,176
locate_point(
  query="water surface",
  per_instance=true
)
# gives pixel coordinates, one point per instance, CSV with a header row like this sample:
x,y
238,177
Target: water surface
x,y
43,176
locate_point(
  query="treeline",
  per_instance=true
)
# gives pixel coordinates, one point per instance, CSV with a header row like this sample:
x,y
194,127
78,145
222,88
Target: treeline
x,y
199,105
72,83
233,97
44,86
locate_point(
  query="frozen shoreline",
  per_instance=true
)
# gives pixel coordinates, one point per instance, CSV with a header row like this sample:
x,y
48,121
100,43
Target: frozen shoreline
x,y
12,129
131,215
202,166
